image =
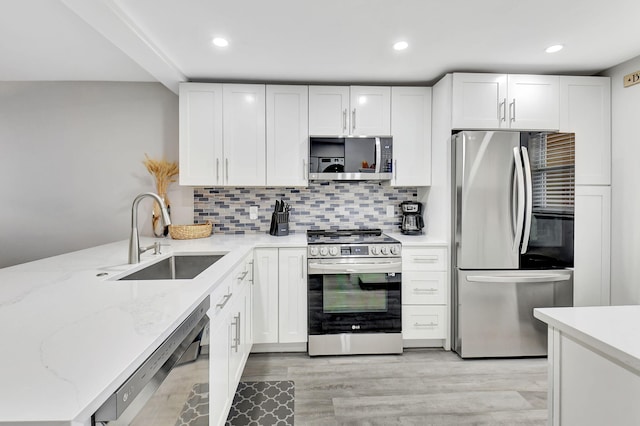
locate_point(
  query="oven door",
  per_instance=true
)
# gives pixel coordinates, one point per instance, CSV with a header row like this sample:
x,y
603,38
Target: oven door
x,y
354,296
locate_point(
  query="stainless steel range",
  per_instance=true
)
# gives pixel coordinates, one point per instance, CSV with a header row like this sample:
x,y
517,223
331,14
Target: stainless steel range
x,y
354,299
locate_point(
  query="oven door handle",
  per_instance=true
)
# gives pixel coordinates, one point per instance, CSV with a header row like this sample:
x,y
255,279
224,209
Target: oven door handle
x,y
394,266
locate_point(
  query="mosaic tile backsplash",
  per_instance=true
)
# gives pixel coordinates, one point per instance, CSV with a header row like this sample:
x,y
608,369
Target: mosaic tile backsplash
x,y
321,205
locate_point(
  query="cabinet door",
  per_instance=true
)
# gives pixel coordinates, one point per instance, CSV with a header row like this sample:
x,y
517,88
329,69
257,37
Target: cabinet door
x,y
370,110
328,110
244,134
200,134
533,102
411,129
287,135
293,295
592,241
585,109
479,101
219,396
265,295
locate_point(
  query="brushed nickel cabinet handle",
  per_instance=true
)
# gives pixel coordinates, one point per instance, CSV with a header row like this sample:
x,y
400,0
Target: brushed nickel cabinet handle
x,y
353,120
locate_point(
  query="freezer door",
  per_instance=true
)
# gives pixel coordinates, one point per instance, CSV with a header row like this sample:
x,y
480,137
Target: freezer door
x,y
489,200
494,311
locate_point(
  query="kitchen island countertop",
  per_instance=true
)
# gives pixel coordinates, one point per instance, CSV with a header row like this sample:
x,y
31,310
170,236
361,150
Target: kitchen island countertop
x,y
72,333
612,330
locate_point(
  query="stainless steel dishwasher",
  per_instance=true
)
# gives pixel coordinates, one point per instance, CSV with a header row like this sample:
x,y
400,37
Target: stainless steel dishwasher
x,y
167,383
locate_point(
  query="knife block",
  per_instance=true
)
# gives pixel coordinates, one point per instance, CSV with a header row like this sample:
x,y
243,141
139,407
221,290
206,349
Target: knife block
x,y
279,224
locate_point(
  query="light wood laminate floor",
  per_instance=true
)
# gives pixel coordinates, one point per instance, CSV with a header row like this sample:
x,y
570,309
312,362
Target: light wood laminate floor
x,y
420,387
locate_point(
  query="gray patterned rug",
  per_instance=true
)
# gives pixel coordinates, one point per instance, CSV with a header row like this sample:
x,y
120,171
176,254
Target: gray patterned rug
x,y
255,403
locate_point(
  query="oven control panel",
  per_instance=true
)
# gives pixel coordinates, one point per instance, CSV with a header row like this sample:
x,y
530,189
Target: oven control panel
x,y
354,250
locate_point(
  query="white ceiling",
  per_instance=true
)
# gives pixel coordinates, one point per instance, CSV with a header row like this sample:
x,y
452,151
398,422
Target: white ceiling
x,y
333,41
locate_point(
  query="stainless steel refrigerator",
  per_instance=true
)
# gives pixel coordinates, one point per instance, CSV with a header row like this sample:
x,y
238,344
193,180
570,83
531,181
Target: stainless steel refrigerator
x,y
513,239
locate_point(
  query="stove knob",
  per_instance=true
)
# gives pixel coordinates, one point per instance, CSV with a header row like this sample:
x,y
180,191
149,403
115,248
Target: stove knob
x,y
313,251
385,250
395,249
374,250
333,251
324,251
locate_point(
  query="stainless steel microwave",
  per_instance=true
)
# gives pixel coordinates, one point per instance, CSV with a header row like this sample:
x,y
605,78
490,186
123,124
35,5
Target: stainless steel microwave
x,y
351,158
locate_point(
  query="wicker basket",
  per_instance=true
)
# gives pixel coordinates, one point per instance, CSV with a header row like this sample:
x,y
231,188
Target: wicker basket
x,y
189,232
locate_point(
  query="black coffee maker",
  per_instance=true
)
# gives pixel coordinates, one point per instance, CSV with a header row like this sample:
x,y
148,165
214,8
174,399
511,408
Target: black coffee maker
x,y
412,222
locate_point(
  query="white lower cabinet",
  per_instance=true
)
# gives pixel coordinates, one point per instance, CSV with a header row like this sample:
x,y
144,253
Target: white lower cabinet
x,y
219,395
280,296
424,295
592,242
230,338
424,322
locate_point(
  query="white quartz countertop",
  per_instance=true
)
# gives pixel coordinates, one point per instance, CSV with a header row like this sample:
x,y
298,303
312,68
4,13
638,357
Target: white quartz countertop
x,y
71,337
612,330
415,240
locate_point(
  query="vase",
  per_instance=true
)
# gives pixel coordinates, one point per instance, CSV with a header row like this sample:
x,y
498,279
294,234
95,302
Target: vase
x,y
159,228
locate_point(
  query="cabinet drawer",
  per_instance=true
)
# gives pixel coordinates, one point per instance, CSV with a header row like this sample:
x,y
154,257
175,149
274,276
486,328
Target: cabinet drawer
x,y
424,259
424,322
424,288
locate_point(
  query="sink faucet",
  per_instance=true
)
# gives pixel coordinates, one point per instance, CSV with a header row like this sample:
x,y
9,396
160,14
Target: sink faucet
x,y
134,241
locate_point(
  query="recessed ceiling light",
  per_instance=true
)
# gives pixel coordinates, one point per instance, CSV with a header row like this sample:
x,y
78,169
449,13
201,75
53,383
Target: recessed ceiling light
x,y
220,42
401,45
553,49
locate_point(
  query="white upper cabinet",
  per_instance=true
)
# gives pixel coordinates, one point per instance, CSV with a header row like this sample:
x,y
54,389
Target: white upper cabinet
x,y
585,109
328,110
355,110
501,101
222,134
533,102
244,134
411,130
479,101
200,134
287,135
370,110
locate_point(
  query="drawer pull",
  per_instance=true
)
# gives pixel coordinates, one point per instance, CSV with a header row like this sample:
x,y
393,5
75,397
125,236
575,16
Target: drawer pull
x,y
225,299
431,324
425,290
241,275
427,259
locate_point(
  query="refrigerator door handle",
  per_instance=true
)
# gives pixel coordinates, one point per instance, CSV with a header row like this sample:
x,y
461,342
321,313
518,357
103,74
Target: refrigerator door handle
x,y
517,238
541,278
529,200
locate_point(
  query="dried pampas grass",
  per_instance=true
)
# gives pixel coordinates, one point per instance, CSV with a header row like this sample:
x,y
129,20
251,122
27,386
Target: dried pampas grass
x,y
164,172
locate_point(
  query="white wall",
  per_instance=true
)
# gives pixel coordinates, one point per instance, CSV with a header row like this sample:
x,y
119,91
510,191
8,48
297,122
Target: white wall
x,y
71,163
625,188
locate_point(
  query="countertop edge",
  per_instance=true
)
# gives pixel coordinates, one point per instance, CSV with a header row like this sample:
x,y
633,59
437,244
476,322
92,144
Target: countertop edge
x,y
629,360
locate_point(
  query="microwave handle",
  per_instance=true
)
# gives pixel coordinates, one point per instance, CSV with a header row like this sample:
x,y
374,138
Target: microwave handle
x,y
378,155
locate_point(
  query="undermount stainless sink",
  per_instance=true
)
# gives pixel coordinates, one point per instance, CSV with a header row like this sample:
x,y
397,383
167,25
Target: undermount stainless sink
x,y
176,267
